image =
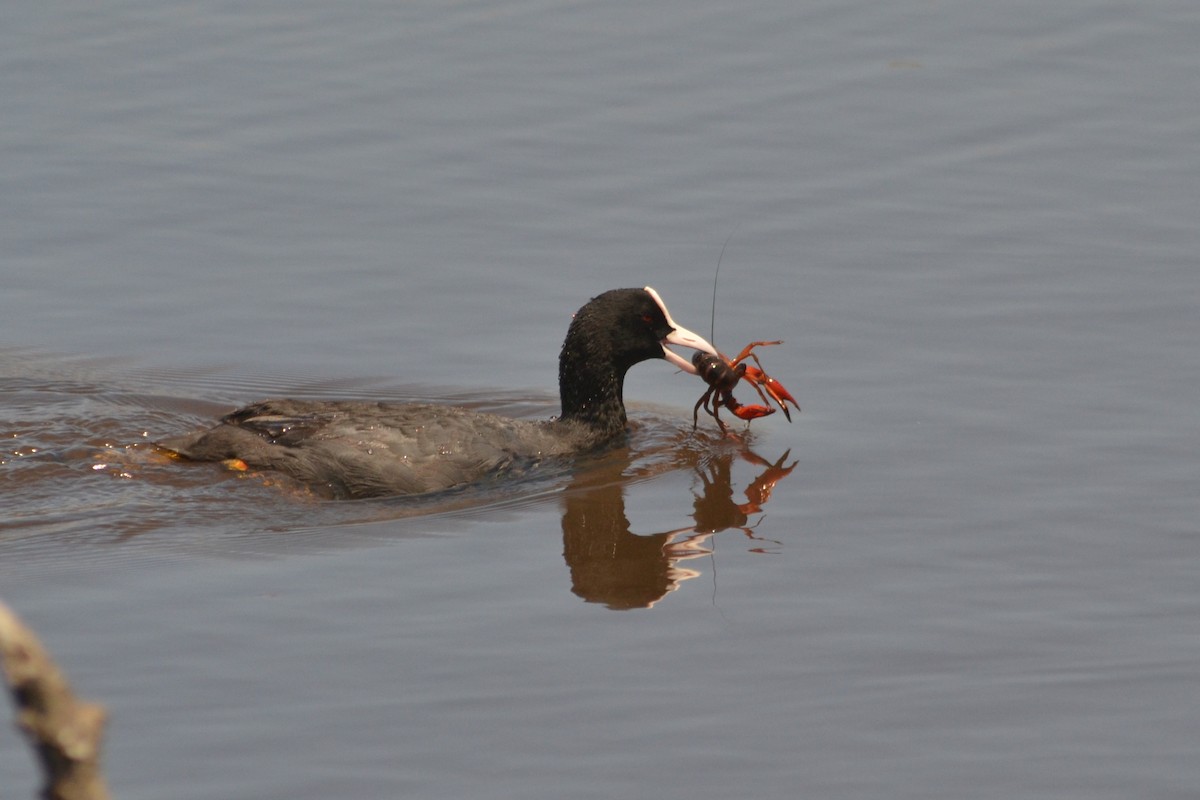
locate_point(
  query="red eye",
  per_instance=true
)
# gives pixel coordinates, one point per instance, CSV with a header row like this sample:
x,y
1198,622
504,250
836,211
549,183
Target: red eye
x,y
646,318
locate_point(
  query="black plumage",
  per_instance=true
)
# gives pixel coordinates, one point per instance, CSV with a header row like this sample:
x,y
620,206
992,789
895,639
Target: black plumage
x,y
367,449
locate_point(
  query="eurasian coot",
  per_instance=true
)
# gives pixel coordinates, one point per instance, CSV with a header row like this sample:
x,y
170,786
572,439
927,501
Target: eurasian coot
x,y
364,449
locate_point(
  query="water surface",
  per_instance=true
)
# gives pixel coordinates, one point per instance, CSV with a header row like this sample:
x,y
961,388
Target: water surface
x,y
973,225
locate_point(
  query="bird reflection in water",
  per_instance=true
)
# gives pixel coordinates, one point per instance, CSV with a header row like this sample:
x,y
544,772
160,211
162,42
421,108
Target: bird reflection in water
x,y
611,564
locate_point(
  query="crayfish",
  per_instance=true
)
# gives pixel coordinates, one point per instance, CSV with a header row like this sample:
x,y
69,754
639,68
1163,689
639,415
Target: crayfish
x,y
722,375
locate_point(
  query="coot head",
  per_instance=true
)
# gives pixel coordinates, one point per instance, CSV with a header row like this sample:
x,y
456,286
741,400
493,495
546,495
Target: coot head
x,y
610,334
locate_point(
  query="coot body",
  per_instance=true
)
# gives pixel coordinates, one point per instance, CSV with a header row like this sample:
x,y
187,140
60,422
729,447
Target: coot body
x,y
363,449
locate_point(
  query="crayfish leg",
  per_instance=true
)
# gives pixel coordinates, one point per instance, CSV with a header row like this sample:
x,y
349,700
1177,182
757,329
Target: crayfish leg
x,y
696,409
759,379
747,351
753,412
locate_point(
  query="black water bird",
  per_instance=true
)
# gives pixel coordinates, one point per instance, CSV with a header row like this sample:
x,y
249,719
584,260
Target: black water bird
x,y
369,449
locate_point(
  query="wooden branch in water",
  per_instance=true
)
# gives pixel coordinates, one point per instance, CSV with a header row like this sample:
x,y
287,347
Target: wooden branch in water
x,y
65,732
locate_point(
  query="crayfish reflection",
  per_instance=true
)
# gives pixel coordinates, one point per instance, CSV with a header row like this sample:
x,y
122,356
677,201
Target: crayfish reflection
x,y
611,564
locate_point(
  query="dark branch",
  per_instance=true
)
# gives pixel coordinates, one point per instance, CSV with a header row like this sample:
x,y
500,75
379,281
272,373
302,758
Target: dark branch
x,y
64,731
